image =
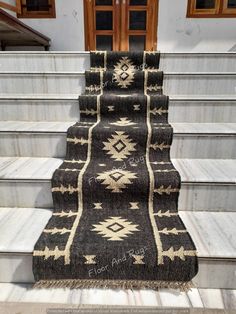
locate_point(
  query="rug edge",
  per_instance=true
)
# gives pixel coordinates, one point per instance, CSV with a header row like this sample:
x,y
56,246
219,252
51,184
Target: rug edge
x,y
114,284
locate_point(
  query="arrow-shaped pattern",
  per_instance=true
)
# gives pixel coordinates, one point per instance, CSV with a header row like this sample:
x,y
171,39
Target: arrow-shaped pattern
x,y
63,189
46,253
162,190
181,253
161,146
158,111
76,140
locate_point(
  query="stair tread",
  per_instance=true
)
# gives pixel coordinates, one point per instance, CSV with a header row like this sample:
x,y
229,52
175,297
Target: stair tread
x,y
75,97
198,298
214,233
191,170
62,126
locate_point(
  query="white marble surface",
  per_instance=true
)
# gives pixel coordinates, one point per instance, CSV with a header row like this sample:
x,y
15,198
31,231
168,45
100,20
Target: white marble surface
x,y
66,108
69,61
202,110
62,126
48,139
197,298
73,82
213,233
206,184
33,109
191,170
21,227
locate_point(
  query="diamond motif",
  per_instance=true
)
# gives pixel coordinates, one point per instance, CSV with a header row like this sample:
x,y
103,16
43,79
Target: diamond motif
x,y
115,228
119,146
116,180
124,72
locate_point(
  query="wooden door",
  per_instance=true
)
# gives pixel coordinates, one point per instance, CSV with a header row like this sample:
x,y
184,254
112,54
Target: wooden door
x,y
120,24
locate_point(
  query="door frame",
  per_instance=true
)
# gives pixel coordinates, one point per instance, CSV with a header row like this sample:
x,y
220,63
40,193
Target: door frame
x,y
120,5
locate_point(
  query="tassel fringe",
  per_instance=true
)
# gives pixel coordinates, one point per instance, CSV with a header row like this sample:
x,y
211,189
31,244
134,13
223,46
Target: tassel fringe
x,y
113,284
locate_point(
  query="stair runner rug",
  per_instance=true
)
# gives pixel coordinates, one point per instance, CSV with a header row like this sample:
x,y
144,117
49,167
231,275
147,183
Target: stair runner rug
x,y
116,222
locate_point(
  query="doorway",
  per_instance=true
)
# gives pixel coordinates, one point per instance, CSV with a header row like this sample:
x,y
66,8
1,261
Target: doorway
x,y
126,25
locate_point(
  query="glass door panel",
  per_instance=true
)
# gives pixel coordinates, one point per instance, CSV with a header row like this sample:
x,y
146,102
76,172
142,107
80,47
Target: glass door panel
x,y
205,4
137,42
121,24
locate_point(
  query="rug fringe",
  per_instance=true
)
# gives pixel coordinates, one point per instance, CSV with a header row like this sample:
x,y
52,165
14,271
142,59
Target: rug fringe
x,y
114,284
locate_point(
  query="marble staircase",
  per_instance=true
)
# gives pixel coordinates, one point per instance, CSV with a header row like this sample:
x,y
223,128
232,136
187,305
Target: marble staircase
x,y
39,101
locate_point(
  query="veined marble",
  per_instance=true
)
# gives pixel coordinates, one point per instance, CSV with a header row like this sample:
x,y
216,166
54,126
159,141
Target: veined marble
x,y
73,82
206,184
51,107
197,298
213,233
48,139
68,61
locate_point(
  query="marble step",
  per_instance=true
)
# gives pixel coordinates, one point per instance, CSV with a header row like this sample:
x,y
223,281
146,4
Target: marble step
x,y
207,184
23,296
175,83
213,233
189,109
48,139
79,61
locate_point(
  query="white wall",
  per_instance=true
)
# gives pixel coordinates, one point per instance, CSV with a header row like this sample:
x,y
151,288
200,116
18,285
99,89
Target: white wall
x,y
67,29
178,33
175,31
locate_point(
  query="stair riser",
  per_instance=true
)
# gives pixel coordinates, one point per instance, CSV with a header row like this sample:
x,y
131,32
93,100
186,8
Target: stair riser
x,y
174,84
39,110
68,110
54,145
183,62
18,268
170,62
44,62
193,197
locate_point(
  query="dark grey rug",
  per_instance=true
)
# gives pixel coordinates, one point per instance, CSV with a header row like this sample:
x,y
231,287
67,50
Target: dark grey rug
x,y
116,222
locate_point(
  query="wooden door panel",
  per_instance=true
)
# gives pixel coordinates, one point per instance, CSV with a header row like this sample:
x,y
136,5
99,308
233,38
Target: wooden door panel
x,y
120,24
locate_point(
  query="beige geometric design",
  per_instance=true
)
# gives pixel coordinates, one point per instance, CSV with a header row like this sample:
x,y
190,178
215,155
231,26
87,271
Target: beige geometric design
x,y
65,214
89,259
154,87
181,253
116,179
158,111
62,189
123,122
160,162
134,205
165,170
93,88
68,169
76,140
46,253
56,230
161,190
138,259
136,107
87,111
73,161
165,214
115,228
97,205
111,108
172,231
119,146
124,72
159,146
